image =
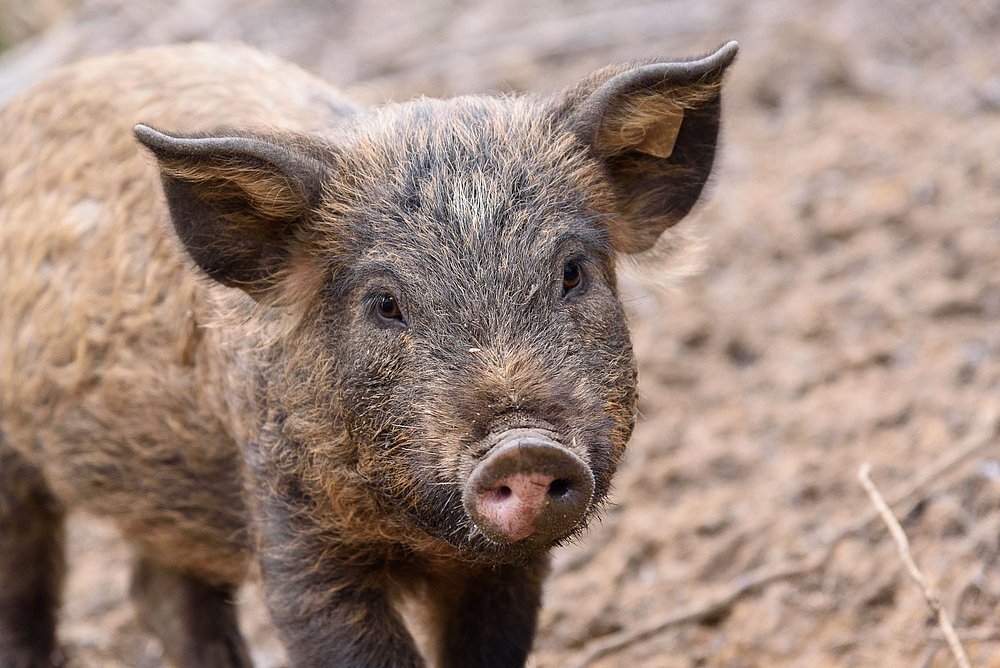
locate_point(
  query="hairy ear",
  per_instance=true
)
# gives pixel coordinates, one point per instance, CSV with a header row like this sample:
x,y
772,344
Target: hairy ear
x,y
238,203
654,128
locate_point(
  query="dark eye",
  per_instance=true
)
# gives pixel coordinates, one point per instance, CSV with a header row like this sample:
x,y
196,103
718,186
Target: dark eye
x,y
387,308
572,275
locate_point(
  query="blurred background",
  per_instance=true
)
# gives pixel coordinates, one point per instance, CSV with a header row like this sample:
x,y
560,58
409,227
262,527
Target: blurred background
x,y
848,310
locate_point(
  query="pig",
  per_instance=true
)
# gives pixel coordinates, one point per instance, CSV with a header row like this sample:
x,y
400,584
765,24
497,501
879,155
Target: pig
x,y
376,356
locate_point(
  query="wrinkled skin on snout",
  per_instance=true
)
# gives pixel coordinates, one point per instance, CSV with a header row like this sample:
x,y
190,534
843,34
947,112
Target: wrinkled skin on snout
x,y
382,351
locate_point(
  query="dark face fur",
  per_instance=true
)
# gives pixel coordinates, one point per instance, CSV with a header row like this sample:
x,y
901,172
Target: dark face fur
x,y
479,282
455,262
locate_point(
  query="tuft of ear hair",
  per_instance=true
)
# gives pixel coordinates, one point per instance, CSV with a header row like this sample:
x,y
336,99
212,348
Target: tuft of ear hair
x,y
238,202
653,127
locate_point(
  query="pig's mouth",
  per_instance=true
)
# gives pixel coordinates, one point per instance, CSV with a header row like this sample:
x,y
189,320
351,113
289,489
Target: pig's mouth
x,y
528,492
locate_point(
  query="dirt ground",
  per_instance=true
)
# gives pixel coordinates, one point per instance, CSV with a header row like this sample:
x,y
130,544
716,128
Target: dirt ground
x,y
847,311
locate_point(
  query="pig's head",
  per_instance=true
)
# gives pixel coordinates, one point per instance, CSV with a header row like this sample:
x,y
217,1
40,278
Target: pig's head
x,y
454,262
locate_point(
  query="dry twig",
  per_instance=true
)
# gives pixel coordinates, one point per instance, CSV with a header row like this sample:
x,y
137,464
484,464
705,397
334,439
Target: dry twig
x,y
980,437
971,636
903,547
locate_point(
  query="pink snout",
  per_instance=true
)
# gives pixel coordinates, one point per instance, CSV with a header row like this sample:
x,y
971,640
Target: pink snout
x,y
528,486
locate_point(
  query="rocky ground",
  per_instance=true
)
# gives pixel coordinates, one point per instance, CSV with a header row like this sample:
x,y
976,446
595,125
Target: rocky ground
x,y
847,311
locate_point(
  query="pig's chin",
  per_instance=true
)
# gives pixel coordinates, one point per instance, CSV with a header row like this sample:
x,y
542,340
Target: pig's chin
x,y
481,547
475,545
472,544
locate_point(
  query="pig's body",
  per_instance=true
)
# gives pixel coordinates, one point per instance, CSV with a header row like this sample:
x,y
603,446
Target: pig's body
x,y
378,352
115,373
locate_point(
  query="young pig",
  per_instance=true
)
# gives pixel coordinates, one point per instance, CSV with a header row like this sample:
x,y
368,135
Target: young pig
x,y
377,352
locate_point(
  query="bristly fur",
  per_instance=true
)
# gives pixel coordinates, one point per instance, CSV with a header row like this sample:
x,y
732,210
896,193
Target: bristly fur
x,y
189,344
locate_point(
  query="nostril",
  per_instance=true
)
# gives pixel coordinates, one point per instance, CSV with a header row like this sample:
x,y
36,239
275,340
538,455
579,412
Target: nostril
x,y
559,488
503,492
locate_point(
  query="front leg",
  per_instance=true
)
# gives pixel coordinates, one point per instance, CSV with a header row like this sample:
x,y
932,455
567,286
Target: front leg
x,y
489,620
341,617
330,604
328,597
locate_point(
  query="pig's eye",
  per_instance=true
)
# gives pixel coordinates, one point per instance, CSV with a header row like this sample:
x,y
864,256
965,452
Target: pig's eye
x,y
572,276
387,308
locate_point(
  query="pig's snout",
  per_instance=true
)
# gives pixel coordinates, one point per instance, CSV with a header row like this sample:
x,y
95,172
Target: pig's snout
x,y
528,486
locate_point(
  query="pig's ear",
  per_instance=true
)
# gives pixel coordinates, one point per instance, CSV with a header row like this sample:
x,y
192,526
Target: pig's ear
x,y
238,203
653,127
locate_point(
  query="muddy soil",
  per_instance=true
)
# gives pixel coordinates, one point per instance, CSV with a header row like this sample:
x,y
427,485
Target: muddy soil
x,y
846,310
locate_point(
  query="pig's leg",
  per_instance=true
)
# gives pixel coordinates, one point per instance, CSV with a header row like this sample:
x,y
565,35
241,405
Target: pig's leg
x,y
195,621
31,564
330,602
338,618
489,620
